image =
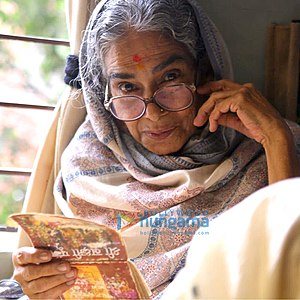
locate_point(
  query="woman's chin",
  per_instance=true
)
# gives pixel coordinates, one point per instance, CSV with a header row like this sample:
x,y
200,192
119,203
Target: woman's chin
x,y
163,148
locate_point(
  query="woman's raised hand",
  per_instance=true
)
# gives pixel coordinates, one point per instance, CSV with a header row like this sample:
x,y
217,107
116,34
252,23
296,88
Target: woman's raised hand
x,y
41,277
243,108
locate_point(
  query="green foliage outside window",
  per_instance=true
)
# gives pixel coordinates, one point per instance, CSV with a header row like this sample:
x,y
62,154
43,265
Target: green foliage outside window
x,y
37,18
42,84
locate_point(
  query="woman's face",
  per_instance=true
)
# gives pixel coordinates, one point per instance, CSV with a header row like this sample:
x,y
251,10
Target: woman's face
x,y
140,64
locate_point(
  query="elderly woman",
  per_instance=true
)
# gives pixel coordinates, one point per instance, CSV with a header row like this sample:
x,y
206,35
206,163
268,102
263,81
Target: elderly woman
x,y
167,134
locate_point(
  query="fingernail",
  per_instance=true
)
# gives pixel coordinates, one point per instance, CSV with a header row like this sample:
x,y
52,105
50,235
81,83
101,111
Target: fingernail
x,y
62,267
70,274
200,120
70,282
20,257
44,256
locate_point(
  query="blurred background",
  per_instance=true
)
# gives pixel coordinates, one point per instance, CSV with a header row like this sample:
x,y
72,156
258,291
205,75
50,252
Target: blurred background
x,y
30,73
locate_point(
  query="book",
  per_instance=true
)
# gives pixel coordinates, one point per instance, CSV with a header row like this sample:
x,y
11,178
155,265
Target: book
x,y
97,251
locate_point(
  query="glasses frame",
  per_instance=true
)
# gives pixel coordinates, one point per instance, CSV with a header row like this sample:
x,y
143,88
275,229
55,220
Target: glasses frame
x,y
108,101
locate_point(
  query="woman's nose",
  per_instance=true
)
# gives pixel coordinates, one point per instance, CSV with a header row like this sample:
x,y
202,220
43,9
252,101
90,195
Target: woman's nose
x,y
154,112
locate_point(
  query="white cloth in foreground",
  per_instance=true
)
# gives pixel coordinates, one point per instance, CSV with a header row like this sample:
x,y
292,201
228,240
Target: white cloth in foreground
x,y
252,251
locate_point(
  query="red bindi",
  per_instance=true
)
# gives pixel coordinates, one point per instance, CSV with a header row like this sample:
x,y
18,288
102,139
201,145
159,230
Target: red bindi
x,y
136,58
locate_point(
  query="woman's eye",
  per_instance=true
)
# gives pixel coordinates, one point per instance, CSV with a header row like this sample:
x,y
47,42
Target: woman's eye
x,y
127,87
171,76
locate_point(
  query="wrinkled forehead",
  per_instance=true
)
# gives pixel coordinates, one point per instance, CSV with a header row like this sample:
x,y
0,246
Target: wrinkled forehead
x,y
215,48
140,50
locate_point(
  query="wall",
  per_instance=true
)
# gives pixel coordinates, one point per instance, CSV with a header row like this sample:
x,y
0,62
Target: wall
x,y
243,25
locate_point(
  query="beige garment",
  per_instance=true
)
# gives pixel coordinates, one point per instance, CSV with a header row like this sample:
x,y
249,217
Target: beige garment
x,y
282,68
68,115
252,251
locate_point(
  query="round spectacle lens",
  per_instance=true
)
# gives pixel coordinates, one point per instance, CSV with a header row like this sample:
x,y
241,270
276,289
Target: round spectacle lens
x,y
174,98
171,98
127,108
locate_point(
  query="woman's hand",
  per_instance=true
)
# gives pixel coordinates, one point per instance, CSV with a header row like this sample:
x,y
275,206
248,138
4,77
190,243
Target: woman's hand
x,y
243,108
240,107
39,276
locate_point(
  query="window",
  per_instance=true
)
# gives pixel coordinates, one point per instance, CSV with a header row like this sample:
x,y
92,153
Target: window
x,y
32,57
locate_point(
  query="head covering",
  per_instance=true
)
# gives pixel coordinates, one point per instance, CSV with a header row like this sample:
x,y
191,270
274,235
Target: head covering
x,y
108,177
202,151
215,46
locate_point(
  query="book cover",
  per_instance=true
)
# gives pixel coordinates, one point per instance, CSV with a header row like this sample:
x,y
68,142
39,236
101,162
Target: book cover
x,y
97,251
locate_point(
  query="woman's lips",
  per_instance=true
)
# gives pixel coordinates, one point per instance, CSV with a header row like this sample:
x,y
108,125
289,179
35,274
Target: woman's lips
x,y
159,134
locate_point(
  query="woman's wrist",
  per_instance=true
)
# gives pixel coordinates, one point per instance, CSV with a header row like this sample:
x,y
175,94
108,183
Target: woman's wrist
x,y
281,154
277,134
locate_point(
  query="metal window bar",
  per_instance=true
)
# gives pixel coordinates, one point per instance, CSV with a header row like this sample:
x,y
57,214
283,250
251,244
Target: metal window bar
x,y
40,40
8,228
25,105
15,171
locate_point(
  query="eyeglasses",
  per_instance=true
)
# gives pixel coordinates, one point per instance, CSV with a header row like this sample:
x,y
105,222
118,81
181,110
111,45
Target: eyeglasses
x,y
172,98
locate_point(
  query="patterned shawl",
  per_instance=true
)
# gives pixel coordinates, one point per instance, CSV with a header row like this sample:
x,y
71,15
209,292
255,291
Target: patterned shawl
x,y
157,202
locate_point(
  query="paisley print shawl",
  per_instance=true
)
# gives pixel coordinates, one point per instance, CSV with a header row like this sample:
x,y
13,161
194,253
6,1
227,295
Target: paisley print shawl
x,y
157,202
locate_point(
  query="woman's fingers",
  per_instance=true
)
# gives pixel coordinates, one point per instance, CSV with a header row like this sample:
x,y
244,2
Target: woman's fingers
x,y
240,107
38,274
216,86
40,278
44,284
232,121
206,109
30,255
217,90
33,271
231,113
53,293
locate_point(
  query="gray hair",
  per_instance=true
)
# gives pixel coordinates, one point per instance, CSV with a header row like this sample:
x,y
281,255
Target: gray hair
x,y
174,18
